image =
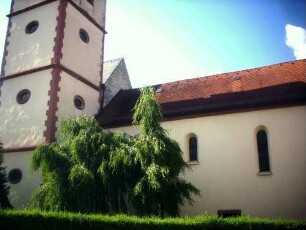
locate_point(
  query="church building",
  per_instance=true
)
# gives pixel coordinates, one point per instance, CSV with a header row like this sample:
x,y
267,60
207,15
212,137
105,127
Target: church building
x,y
242,133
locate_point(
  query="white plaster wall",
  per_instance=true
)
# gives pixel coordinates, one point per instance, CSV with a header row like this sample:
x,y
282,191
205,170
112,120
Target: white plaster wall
x,y
20,193
82,58
22,4
28,51
69,88
228,162
22,125
96,11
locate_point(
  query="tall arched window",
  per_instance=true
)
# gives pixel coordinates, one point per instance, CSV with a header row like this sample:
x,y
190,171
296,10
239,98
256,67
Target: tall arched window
x,y
263,151
193,148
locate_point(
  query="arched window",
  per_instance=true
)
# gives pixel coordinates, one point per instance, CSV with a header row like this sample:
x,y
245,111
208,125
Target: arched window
x,y
263,151
193,149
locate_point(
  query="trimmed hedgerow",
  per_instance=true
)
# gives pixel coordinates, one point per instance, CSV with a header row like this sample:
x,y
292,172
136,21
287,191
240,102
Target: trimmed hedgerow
x,y
37,220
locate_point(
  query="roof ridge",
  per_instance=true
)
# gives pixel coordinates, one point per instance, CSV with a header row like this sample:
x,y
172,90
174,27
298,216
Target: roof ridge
x,y
232,72
113,60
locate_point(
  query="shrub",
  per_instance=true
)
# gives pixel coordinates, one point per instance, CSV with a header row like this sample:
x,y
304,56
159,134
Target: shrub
x,y
35,220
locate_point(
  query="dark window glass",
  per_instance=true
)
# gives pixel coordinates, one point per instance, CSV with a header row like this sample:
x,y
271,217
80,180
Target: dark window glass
x,y
193,149
23,96
79,102
32,27
15,176
229,213
263,152
84,36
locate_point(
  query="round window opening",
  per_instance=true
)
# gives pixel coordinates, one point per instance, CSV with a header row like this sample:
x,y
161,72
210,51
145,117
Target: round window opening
x,y
32,27
79,102
23,96
15,176
84,36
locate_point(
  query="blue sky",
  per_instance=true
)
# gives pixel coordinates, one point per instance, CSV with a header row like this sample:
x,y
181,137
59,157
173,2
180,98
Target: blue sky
x,y
168,40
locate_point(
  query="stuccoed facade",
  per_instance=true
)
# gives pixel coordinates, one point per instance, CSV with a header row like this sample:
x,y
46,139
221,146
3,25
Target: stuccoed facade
x,y
227,171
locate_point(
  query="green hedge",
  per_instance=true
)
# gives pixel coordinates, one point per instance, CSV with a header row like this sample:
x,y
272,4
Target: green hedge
x,y
36,220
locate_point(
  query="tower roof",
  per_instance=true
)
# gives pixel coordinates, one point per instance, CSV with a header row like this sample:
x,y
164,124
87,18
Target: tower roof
x,y
259,88
109,67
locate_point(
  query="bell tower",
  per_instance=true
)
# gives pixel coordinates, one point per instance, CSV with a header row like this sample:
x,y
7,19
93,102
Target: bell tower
x,y
51,68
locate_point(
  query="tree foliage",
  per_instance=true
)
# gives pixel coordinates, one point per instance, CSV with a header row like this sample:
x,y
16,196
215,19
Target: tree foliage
x,y
4,188
159,190
90,170
80,173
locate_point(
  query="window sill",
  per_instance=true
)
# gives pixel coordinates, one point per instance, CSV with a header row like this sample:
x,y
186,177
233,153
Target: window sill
x,y
193,162
264,173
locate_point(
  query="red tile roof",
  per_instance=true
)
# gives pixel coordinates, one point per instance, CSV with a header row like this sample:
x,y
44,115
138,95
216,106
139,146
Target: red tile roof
x,y
275,85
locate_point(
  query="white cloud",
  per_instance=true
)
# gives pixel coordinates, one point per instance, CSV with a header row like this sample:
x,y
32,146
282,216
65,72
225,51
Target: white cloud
x,y
296,40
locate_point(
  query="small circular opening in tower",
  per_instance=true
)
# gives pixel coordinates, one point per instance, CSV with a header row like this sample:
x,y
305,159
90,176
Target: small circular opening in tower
x,y
15,176
79,102
32,27
84,35
23,96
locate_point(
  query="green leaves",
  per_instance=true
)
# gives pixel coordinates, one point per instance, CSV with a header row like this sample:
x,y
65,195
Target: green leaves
x,y
147,112
80,175
4,188
81,172
159,188
33,219
90,170
156,175
74,125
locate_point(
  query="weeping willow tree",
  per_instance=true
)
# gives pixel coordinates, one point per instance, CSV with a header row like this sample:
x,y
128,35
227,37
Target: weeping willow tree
x,y
125,171
4,188
90,170
159,190
81,172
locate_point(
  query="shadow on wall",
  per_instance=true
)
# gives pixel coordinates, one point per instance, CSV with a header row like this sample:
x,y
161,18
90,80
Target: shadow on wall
x,y
11,135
